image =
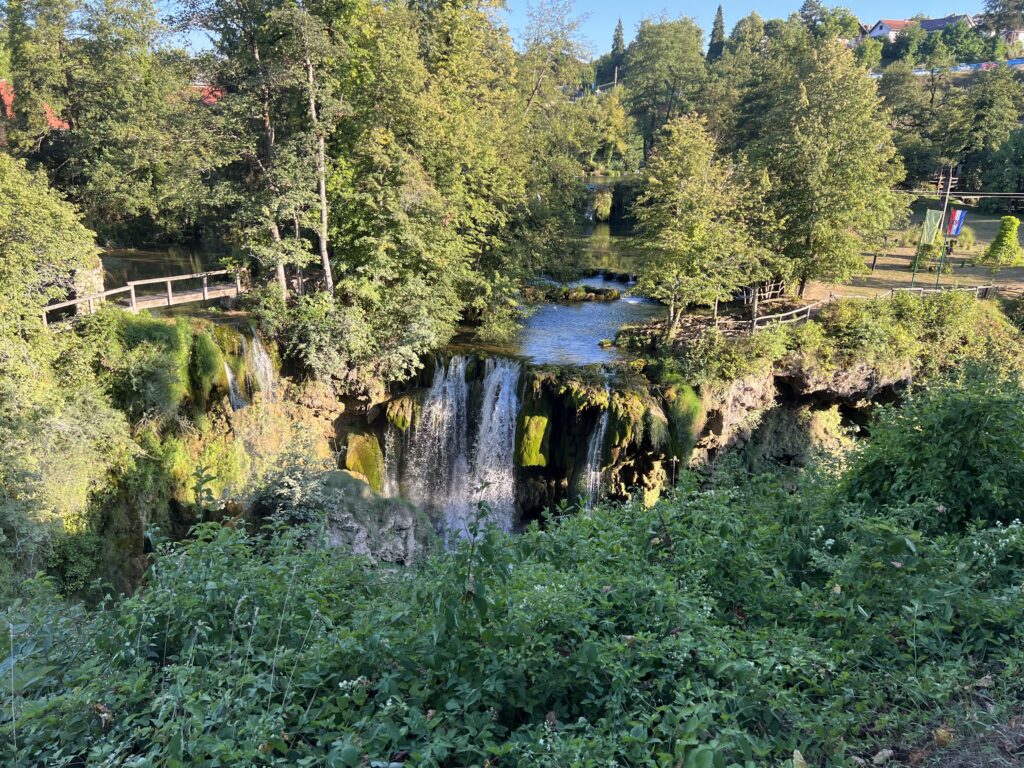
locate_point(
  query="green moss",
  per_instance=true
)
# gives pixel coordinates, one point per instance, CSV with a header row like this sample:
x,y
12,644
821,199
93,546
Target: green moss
x,y
626,420
686,416
206,369
533,432
364,457
401,412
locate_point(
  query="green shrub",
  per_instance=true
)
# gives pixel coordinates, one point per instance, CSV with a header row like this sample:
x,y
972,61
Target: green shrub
x,y
729,625
603,204
956,446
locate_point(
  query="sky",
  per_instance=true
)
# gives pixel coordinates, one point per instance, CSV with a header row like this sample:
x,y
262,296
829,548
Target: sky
x,y
600,15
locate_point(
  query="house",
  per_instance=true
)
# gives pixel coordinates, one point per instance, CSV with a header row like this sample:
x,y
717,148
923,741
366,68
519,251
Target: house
x,y
937,25
888,28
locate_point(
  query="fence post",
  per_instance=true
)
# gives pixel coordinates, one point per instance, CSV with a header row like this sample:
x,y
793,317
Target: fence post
x,y
135,307
46,323
238,284
89,304
206,290
170,295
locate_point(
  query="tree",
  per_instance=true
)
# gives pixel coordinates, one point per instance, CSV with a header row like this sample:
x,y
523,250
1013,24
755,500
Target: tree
x,y
829,152
869,53
991,109
1005,250
1005,15
690,218
37,31
666,69
42,245
717,43
618,42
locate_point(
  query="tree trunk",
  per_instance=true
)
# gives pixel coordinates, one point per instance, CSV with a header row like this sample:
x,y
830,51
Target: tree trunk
x,y
803,287
282,281
321,176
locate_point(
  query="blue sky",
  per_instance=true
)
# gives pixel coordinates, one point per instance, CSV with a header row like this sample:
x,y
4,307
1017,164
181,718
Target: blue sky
x,y
601,15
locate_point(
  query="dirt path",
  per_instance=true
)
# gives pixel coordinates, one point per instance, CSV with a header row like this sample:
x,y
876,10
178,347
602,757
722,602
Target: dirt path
x,y
894,271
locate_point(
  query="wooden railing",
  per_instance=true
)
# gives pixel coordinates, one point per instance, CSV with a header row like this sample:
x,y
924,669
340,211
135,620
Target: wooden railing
x,y
168,298
765,291
792,316
979,291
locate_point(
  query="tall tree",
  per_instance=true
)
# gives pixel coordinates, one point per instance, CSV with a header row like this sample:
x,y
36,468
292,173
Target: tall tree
x,y
38,33
618,41
717,43
690,216
666,70
1005,15
830,155
42,244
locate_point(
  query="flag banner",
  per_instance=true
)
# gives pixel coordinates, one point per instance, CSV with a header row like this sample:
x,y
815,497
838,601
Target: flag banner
x,y
932,222
956,222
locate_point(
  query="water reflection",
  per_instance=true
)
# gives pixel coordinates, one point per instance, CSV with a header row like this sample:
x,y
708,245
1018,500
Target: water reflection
x,y
122,265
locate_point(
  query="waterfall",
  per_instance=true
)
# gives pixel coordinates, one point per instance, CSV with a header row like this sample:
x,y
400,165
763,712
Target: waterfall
x,y
595,454
449,472
492,473
235,396
391,459
438,454
261,368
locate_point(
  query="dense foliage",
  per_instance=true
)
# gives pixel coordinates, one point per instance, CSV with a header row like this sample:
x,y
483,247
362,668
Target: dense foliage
x,y
731,625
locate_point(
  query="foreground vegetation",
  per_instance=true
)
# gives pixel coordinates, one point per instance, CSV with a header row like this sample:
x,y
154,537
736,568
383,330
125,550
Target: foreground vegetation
x,y
744,620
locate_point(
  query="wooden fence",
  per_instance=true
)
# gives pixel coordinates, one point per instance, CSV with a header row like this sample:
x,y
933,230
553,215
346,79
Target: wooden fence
x,y
168,298
792,316
979,291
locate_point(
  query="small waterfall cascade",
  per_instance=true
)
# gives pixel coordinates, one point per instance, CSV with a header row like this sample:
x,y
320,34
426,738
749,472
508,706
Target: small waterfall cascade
x,y
591,480
261,368
491,478
438,451
235,396
390,488
455,462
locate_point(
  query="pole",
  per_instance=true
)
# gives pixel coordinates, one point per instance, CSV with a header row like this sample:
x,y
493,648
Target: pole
x,y
942,226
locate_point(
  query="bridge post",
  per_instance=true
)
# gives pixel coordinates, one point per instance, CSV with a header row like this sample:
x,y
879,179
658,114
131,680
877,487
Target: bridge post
x,y
206,290
238,284
170,295
89,301
135,307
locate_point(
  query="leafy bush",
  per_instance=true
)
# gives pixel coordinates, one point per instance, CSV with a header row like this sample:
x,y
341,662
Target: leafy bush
x,y
957,446
727,625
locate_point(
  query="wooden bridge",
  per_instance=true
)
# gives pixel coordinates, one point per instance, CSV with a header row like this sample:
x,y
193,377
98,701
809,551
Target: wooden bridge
x,y
167,298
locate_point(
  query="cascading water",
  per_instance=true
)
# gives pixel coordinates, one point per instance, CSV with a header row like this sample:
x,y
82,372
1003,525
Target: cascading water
x,y
261,368
443,470
235,396
390,488
491,478
440,437
595,455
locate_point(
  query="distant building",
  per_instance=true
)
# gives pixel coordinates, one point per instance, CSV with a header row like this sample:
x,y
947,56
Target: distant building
x,y
887,29
937,25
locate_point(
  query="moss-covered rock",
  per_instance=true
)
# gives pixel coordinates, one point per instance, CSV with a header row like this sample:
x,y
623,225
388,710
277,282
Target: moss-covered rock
x,y
626,420
533,432
363,456
685,411
401,412
206,369
357,519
